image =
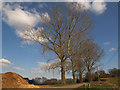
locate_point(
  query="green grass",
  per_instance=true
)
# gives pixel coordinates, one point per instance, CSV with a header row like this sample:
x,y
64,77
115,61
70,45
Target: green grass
x,y
114,81
97,86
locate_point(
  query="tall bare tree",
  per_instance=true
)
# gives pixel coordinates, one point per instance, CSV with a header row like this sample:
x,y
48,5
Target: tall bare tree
x,y
77,64
60,32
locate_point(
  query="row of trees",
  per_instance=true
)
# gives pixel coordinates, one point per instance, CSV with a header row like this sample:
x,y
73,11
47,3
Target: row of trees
x,y
66,34
98,75
85,58
111,73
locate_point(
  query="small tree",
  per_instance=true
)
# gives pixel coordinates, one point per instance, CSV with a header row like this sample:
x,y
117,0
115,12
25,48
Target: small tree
x,y
92,54
102,73
113,72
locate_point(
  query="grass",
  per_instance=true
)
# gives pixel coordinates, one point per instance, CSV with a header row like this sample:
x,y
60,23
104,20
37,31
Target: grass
x,y
114,81
106,83
97,86
57,85
109,83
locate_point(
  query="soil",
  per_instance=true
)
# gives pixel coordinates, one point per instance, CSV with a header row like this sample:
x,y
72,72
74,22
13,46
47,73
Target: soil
x,y
14,80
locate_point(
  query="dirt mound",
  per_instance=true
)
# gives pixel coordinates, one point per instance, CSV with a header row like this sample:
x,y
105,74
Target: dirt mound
x,y
14,80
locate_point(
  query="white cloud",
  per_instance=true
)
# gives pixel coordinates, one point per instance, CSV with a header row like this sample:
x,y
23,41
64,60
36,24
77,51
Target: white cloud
x,y
83,5
4,65
5,61
98,7
18,68
37,71
0,7
107,43
112,49
43,67
18,18
30,35
15,15
95,6
44,17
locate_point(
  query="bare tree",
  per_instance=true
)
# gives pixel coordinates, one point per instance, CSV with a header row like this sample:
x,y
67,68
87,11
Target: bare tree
x,y
60,32
72,57
77,63
80,68
71,66
113,72
92,54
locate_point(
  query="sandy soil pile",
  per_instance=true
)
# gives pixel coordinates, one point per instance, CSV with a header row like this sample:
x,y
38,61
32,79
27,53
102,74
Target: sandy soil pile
x,y
13,80
0,81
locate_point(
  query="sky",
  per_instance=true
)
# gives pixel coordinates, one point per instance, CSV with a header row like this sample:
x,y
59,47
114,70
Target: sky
x,y
27,59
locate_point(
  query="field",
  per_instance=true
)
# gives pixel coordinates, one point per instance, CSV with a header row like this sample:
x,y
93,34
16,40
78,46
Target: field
x,y
97,86
14,80
104,83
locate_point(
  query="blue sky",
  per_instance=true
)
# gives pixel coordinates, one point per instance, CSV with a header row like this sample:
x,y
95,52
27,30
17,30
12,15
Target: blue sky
x,y
27,59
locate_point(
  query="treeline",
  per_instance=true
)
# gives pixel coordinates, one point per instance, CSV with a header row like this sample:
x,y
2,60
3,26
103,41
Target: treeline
x,y
96,76
111,73
102,74
45,81
66,32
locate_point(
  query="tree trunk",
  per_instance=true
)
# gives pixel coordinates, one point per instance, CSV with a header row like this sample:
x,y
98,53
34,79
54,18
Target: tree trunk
x,y
63,72
80,76
73,73
89,76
